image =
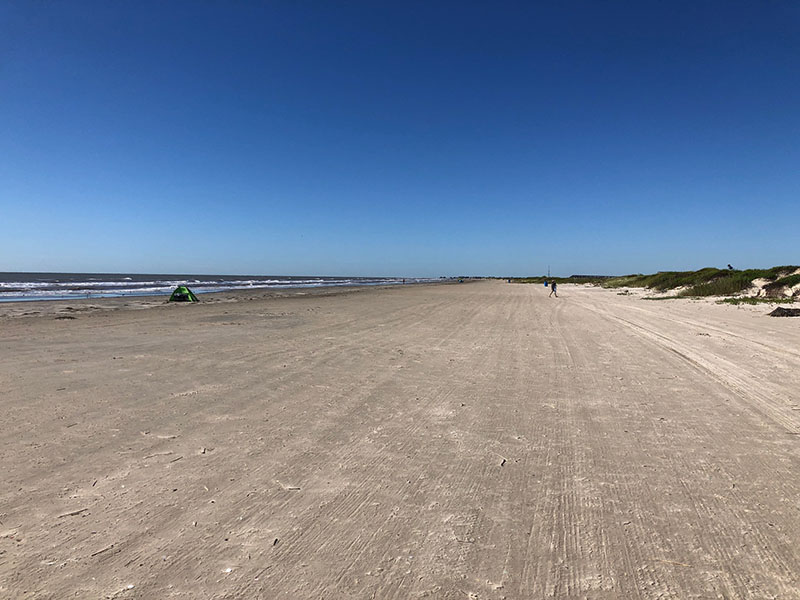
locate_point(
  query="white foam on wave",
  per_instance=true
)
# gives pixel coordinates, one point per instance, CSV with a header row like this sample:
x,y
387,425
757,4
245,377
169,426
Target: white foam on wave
x,y
90,287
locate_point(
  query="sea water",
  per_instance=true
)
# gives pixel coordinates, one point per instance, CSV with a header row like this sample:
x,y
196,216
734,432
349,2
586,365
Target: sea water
x,y
63,286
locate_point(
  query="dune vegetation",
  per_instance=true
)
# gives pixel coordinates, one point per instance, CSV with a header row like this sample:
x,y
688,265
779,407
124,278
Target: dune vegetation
x,y
709,281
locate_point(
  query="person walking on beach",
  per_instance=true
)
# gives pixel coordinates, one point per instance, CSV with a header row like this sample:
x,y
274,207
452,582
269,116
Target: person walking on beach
x,y
553,289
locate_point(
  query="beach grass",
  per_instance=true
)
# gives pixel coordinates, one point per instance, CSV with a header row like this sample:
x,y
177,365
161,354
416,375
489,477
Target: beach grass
x,y
709,281
755,300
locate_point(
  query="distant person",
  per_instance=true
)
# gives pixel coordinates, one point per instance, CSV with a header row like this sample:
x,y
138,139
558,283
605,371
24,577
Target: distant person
x,y
553,286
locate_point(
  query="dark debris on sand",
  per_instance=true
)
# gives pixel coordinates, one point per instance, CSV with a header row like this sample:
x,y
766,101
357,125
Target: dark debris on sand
x,y
785,312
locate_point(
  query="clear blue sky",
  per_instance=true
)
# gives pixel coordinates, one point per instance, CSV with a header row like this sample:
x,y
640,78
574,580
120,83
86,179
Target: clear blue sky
x,y
398,138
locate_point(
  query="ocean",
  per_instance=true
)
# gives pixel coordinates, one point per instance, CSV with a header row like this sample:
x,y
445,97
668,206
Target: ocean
x,y
65,286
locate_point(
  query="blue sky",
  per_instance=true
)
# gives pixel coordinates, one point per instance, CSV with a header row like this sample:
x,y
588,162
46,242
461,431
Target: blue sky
x,y
398,138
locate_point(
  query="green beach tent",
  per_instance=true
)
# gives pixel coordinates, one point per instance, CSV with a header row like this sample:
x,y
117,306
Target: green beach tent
x,y
183,294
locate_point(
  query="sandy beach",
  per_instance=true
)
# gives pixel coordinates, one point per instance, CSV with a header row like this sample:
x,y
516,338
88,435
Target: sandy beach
x,y
458,441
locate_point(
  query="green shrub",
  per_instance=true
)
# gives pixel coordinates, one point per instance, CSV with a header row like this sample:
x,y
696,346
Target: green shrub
x,y
790,281
721,286
776,287
624,281
667,280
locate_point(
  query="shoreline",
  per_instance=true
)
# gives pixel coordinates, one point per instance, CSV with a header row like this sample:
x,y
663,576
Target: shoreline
x,y
369,442
13,309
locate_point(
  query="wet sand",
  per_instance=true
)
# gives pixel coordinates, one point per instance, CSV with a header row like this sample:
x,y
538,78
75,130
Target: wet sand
x,y
475,440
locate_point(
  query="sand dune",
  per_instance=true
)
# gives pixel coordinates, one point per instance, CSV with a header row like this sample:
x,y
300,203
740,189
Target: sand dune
x,y
447,441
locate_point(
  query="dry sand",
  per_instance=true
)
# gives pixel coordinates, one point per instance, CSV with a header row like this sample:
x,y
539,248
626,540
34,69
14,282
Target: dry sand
x,y
447,442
